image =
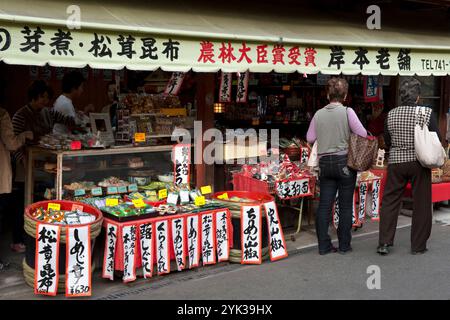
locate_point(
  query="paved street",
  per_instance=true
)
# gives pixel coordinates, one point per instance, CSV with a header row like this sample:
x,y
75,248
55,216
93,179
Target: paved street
x,y
304,275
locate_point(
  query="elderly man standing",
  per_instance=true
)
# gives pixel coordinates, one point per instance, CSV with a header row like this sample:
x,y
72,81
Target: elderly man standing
x,y
403,168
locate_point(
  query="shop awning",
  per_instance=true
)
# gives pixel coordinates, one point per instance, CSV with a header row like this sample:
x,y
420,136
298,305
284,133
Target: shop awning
x,y
233,37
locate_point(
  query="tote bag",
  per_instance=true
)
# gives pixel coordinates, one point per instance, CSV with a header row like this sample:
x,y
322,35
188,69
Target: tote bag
x,y
428,147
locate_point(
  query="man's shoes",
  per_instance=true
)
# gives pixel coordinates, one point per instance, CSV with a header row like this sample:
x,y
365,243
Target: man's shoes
x,y
343,252
383,249
333,249
18,247
419,252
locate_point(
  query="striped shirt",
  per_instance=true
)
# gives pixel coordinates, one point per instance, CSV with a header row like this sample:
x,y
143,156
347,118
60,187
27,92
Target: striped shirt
x,y
39,122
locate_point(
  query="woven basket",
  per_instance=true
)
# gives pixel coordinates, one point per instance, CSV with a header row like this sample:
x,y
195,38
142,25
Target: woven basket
x,y
28,274
31,223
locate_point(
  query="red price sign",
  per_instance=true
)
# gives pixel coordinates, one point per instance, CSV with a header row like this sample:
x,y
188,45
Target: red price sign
x,y
75,145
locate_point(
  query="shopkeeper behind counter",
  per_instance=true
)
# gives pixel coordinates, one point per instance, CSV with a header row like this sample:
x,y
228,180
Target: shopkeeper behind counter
x,y
72,87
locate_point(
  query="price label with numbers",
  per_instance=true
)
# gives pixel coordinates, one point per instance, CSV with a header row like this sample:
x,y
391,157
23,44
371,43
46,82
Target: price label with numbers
x,y
139,203
97,191
80,192
200,201
77,207
132,188
162,194
123,189
54,206
206,190
111,202
112,190
139,137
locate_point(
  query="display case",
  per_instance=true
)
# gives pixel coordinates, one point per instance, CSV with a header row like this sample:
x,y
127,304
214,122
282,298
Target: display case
x,y
63,170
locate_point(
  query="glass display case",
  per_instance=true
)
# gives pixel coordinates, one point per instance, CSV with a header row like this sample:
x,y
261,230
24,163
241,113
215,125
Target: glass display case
x,y
71,173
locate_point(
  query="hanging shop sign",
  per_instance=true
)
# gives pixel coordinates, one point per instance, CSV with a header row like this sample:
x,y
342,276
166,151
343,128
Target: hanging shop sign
x,y
225,87
208,239
222,235
129,251
181,154
33,44
277,243
251,235
146,238
46,274
193,237
162,247
78,262
178,240
372,89
174,85
110,251
376,199
242,87
293,188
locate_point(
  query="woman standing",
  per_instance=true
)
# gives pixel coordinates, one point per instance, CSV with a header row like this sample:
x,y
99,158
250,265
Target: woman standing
x,y
331,127
8,142
403,167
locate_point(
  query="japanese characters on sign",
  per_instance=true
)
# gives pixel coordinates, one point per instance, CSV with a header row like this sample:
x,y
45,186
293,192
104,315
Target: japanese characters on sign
x,y
371,89
294,188
174,85
47,259
222,236
363,191
110,251
78,261
146,238
178,237
304,154
182,159
129,253
251,234
376,199
162,247
208,239
242,87
193,240
277,243
59,46
225,87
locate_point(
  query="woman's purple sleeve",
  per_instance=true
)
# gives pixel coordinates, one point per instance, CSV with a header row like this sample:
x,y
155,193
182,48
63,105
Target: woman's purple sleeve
x,y
311,136
355,125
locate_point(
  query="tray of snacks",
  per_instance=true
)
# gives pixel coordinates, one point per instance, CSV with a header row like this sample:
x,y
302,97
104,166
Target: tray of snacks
x,y
127,211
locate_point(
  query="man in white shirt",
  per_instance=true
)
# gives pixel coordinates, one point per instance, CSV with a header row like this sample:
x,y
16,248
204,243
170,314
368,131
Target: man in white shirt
x,y
72,86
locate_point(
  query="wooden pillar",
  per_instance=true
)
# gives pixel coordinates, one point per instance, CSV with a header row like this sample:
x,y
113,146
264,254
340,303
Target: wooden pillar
x,y
205,84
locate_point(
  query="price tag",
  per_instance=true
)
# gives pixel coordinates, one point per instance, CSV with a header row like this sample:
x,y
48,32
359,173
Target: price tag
x,y
139,203
172,198
223,196
139,137
111,202
150,193
112,190
162,194
123,189
200,201
80,192
75,145
54,206
206,190
184,195
77,207
132,188
97,191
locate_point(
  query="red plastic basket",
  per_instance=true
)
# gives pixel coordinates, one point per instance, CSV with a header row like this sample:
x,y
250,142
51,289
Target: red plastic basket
x,y
65,205
244,183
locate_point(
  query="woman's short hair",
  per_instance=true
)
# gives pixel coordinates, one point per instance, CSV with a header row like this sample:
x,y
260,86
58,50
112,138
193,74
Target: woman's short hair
x,y
337,89
409,91
37,89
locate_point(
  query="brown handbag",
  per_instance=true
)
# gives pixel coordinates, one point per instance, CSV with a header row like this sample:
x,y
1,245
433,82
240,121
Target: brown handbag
x,y
362,152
